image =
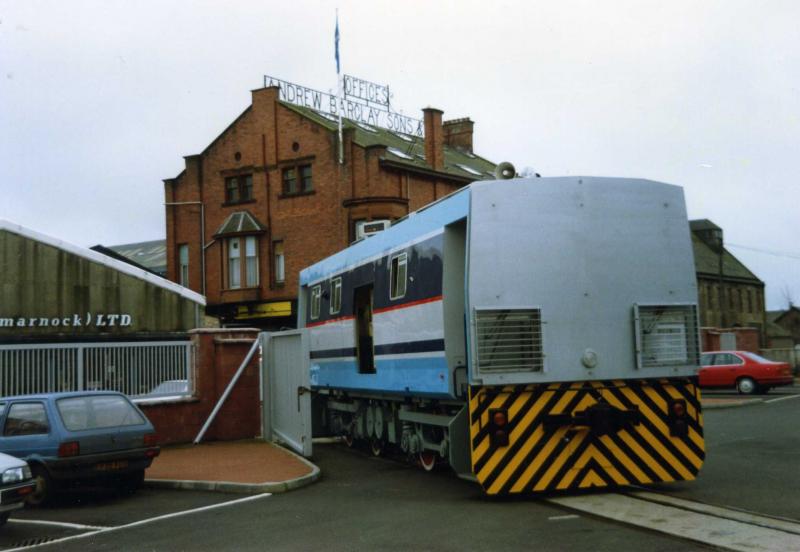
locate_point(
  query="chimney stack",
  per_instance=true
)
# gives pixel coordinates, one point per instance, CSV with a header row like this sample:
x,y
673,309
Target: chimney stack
x,y
434,138
458,134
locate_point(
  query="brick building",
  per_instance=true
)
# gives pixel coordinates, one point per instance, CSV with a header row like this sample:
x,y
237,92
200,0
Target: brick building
x,y
783,327
269,197
729,294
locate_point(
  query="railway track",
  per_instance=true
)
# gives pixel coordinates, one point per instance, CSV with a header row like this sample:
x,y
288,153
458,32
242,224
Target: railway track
x,y
723,528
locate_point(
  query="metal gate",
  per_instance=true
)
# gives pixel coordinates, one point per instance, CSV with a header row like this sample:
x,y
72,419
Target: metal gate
x,y
286,393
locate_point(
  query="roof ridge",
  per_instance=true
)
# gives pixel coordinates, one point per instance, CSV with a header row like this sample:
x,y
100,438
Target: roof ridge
x,y
102,259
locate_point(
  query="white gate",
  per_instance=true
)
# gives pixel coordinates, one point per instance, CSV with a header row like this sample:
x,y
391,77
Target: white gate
x,y
286,393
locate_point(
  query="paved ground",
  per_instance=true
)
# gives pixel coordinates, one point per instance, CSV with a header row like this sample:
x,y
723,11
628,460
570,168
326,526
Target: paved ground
x,y
238,462
365,503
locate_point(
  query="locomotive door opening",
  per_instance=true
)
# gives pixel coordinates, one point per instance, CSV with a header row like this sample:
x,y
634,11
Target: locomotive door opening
x,y
365,347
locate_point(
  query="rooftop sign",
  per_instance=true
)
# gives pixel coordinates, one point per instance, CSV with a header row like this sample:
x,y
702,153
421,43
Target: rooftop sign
x,y
364,102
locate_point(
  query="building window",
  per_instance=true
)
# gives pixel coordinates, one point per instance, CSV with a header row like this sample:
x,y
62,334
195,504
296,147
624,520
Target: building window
x,y
242,274
749,300
305,178
297,180
316,299
289,181
279,262
336,295
397,276
239,189
183,263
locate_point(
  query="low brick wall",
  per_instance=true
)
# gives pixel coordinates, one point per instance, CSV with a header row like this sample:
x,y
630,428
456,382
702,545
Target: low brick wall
x,y
218,354
747,339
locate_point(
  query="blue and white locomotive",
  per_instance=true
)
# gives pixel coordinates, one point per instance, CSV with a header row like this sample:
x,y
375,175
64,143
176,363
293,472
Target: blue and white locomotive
x,y
535,334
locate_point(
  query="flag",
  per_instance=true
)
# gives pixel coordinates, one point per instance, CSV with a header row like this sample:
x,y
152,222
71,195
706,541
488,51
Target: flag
x,y
336,40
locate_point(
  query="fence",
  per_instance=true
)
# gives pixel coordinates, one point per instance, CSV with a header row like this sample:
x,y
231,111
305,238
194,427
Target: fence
x,y
147,369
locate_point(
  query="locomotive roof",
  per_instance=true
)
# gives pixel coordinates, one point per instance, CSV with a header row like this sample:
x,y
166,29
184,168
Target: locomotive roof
x,y
426,222
419,225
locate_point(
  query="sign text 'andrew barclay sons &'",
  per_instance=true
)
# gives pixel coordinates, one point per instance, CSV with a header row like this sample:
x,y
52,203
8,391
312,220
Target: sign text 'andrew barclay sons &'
x,y
364,102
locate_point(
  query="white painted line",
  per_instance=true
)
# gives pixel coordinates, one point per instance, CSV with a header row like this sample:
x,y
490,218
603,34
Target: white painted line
x,y
783,398
58,524
561,518
727,534
151,520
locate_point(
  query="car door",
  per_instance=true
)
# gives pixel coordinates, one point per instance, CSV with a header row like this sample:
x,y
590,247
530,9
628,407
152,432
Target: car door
x,y
27,430
707,374
727,368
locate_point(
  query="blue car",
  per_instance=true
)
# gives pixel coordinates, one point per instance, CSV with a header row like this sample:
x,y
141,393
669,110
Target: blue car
x,y
78,436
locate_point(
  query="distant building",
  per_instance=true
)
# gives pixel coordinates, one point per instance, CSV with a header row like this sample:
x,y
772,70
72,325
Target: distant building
x,y
783,328
149,255
269,197
729,294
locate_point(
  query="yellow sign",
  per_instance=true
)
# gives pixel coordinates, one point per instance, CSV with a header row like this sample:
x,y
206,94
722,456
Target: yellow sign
x,y
263,310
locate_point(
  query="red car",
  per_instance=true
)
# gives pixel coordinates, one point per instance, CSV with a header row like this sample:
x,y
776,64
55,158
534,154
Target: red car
x,y
746,371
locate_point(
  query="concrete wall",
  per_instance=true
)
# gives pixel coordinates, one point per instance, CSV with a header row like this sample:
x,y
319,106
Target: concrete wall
x,y
49,292
219,353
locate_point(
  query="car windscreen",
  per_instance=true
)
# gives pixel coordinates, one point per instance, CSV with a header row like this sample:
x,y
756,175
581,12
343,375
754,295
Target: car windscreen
x,y
757,358
99,411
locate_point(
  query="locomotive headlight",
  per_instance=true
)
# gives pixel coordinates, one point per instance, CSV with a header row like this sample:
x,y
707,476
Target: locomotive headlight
x,y
678,424
498,427
12,475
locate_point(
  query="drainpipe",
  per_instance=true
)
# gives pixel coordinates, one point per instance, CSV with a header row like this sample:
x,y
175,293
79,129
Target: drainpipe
x,y
202,236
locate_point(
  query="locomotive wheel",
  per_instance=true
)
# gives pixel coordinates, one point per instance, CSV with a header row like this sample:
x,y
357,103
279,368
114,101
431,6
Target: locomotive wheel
x,y
376,447
427,460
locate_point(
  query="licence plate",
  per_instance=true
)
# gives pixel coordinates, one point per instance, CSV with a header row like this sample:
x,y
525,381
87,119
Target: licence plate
x,y
112,466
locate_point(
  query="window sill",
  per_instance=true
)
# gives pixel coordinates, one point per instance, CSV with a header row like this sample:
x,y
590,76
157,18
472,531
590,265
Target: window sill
x,y
296,194
248,288
234,203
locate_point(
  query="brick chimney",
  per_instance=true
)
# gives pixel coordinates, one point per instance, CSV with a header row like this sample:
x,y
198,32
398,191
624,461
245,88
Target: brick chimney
x,y
434,138
458,134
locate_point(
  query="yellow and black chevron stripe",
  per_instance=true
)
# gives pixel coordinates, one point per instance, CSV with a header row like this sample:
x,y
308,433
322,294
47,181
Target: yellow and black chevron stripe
x,y
543,455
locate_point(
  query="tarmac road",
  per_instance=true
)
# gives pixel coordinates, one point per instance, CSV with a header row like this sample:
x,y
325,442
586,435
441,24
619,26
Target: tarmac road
x,y
365,503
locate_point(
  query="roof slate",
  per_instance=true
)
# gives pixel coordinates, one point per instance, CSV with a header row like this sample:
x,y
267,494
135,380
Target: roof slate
x,y
706,261
240,222
407,145
150,254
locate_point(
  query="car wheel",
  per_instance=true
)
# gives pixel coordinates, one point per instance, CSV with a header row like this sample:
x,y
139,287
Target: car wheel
x,y
4,518
746,386
131,482
44,486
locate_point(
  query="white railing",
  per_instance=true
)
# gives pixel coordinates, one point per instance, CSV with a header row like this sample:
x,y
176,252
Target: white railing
x,y
140,370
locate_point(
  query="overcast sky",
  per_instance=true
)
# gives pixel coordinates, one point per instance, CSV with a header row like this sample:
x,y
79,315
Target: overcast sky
x,y
100,101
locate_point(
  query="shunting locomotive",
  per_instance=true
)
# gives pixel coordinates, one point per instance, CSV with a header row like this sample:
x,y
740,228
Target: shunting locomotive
x,y
535,334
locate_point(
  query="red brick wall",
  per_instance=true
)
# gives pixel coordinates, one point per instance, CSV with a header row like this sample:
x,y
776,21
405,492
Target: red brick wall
x,y
268,137
747,339
218,354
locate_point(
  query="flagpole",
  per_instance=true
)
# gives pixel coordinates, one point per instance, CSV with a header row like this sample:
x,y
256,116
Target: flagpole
x,y
339,91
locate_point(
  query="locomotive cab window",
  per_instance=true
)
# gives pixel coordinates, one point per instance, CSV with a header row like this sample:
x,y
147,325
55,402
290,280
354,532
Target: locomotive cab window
x,y
316,299
398,276
336,295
